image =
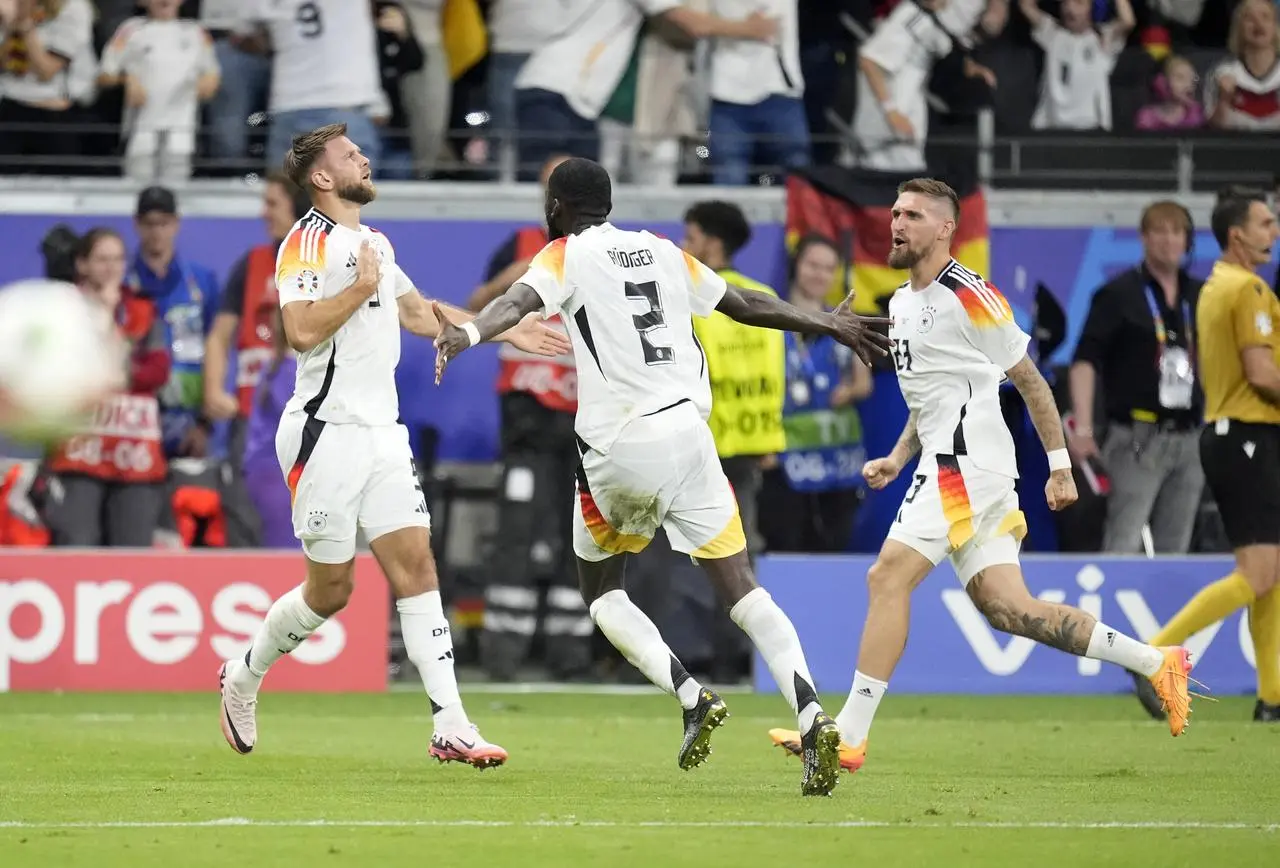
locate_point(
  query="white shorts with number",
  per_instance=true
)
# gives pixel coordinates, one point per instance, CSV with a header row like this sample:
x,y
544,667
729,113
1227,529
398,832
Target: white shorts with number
x,y
956,509
662,471
344,476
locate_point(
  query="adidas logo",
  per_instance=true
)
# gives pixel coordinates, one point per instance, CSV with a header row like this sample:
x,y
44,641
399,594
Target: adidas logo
x,y
1111,638
351,260
864,691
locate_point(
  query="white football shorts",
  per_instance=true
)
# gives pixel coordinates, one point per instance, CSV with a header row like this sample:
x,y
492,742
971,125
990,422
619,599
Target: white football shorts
x,y
662,471
342,476
955,509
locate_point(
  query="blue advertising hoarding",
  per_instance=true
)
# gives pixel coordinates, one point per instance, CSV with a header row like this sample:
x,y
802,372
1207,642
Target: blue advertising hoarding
x,y
952,649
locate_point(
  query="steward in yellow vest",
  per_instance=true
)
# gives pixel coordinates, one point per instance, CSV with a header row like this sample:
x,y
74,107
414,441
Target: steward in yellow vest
x,y
746,365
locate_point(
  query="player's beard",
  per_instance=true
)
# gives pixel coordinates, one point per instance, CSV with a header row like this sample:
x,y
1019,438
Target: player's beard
x,y
361,193
905,257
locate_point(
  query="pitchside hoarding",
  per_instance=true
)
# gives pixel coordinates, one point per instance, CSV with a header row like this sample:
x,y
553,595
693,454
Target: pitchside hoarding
x,y
952,649
141,620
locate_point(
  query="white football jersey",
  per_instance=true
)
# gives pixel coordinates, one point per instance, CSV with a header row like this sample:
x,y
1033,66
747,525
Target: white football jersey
x,y
326,53
628,299
952,343
351,376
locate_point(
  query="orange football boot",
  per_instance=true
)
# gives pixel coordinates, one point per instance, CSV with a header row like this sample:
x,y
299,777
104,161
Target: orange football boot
x,y
851,758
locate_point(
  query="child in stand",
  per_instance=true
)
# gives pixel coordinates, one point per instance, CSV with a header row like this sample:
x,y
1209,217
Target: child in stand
x,y
1176,106
167,67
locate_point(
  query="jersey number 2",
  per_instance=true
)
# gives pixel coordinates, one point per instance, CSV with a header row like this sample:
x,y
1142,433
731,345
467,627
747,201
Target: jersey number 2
x,y
647,322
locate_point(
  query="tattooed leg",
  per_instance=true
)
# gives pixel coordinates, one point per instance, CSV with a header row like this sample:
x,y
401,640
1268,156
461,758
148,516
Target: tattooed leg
x,y
1002,596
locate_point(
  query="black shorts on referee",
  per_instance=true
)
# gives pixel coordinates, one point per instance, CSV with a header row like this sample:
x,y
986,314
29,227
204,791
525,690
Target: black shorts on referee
x,y
1241,462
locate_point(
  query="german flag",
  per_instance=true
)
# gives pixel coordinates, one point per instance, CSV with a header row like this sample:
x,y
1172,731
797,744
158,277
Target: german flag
x,y
851,207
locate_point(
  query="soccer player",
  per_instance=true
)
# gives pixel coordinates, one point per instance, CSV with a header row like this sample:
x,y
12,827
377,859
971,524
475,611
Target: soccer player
x,y
647,455
344,457
954,342
1236,321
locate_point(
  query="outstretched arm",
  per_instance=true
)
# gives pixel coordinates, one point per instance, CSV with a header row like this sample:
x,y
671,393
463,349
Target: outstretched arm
x,y
511,316
417,314
506,311
768,311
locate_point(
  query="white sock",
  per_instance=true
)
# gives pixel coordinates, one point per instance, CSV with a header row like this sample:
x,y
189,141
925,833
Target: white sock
x,y
430,647
775,638
632,633
1113,646
859,709
288,623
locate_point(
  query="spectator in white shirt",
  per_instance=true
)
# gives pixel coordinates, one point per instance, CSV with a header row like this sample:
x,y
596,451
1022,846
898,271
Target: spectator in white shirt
x,y
1075,87
1244,91
757,91
167,67
325,71
39,40
244,63
428,92
568,80
516,28
892,115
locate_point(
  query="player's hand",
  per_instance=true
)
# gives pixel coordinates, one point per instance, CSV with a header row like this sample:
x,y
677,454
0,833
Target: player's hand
x,y
450,341
368,270
1060,490
532,336
856,332
879,472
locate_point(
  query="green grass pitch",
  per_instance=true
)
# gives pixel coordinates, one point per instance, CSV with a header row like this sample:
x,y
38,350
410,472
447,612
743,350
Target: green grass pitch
x,y
146,780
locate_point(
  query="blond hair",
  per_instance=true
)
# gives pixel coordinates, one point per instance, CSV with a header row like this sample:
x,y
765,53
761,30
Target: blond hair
x,y
1235,37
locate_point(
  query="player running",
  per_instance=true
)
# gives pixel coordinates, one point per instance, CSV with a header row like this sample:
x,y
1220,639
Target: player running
x,y
344,457
647,456
954,342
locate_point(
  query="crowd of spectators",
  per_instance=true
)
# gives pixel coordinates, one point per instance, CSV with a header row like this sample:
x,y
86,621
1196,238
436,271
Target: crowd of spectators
x,y
661,90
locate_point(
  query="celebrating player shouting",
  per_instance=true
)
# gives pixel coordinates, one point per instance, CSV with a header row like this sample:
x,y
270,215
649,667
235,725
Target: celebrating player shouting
x,y
345,458
647,455
954,341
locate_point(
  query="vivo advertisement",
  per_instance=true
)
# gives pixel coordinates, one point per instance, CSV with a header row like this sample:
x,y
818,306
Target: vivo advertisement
x,y
952,649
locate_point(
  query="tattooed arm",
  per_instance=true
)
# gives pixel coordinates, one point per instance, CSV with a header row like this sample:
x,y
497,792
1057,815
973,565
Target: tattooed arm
x,y
1027,379
908,443
1060,490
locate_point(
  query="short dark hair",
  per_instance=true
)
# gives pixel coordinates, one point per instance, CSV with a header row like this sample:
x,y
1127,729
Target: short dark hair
x,y
88,241
723,221
297,196
306,149
582,185
934,189
1231,210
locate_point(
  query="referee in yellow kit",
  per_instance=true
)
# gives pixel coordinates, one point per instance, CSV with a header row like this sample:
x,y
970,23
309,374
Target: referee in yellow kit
x,y
1237,319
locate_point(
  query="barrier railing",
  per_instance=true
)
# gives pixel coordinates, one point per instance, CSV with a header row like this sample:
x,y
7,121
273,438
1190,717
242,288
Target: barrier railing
x,y
1202,161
